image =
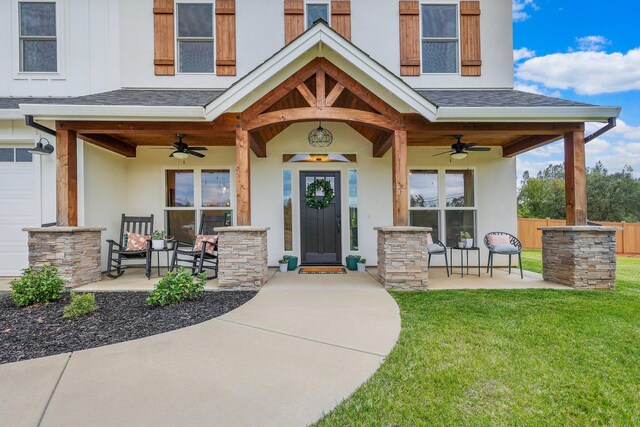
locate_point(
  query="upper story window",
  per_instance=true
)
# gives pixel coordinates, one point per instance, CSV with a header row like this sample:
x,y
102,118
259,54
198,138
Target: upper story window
x,y
196,50
38,42
317,11
440,38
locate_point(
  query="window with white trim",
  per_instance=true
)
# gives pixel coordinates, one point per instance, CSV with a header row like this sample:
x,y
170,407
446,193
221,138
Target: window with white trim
x,y
315,11
443,200
191,193
439,38
38,44
195,44
15,155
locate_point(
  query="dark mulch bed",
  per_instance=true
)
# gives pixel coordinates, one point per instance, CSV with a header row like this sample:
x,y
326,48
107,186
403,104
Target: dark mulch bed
x,y
36,331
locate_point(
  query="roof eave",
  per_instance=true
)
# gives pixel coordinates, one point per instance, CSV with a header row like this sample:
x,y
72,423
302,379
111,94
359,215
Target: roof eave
x,y
527,114
11,114
112,112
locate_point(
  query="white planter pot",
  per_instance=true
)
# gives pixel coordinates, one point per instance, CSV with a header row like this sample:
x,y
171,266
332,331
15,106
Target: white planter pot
x,y
469,243
461,244
283,268
361,267
157,244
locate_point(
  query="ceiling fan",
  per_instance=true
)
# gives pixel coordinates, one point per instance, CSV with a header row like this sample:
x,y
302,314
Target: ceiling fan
x,y
183,150
460,150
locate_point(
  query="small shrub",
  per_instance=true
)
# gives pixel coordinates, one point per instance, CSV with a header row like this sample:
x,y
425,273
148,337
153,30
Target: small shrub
x,y
80,305
177,287
37,286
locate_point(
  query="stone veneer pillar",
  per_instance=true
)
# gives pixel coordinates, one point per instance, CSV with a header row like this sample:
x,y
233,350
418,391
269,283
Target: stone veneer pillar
x,y
403,257
583,257
75,251
242,257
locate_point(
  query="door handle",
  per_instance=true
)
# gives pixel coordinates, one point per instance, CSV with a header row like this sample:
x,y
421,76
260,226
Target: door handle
x,y
339,223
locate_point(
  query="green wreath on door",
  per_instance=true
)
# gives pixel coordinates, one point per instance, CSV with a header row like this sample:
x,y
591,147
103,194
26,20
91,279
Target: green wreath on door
x,y
315,202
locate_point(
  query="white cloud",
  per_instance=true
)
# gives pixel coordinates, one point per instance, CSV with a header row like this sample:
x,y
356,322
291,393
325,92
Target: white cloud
x,y
588,73
522,53
521,9
592,43
534,88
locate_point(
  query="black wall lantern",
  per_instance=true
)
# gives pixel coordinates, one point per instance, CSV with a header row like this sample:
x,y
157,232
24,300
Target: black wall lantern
x,y
42,150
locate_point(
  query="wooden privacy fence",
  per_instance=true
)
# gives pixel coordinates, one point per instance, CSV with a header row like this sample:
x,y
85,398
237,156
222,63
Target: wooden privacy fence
x,y
627,239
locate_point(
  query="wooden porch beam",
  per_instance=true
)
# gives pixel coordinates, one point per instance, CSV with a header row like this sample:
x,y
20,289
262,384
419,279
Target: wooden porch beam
x,y
110,143
223,124
575,178
528,144
334,94
306,94
320,89
330,114
417,123
400,178
382,145
243,178
66,178
258,144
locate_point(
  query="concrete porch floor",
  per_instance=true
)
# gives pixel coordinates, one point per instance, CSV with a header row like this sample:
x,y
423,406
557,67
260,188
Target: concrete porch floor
x,y
501,279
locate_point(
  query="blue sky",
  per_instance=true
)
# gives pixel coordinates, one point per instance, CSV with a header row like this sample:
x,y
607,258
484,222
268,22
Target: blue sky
x,y
588,51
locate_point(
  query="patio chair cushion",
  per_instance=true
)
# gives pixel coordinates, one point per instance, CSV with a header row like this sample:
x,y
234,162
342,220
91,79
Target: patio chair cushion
x,y
498,239
211,238
435,249
429,239
136,242
505,249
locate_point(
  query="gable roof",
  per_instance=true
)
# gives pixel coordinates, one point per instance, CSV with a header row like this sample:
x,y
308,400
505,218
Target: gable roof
x,y
318,41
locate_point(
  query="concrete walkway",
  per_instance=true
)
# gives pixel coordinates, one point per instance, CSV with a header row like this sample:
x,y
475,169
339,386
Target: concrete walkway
x,y
292,353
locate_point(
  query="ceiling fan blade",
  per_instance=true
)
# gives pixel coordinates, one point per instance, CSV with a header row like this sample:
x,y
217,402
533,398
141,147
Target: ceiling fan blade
x,y
161,148
469,145
479,149
444,152
194,153
198,148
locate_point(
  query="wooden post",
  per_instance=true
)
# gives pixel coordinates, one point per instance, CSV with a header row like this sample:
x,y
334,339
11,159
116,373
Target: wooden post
x,y
575,178
243,177
66,178
400,176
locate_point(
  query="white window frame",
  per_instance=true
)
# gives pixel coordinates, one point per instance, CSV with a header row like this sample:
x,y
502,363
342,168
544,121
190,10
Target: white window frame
x,y
195,39
312,2
442,197
61,31
457,39
197,196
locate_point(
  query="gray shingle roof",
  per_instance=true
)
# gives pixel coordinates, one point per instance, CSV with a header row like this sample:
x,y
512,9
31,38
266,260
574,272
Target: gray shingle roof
x,y
142,97
493,98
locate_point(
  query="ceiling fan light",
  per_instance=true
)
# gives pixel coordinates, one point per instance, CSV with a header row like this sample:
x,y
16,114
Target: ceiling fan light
x,y
179,155
459,156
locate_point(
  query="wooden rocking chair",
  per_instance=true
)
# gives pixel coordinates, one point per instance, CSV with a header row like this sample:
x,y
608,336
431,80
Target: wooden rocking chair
x,y
118,250
201,261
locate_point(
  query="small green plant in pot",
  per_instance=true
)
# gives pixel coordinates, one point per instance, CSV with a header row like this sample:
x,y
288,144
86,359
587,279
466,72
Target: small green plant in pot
x,y
284,265
177,287
465,240
158,239
352,262
362,265
80,305
37,286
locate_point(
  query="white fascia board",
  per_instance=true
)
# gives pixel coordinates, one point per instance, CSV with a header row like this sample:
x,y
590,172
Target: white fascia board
x,y
112,112
527,114
13,114
319,35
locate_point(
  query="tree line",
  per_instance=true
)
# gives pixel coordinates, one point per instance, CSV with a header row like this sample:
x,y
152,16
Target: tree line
x,y
611,197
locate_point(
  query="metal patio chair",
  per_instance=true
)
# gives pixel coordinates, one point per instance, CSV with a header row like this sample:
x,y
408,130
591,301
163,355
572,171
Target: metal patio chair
x,y
438,248
200,261
513,248
118,250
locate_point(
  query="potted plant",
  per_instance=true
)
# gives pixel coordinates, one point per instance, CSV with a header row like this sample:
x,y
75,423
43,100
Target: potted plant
x,y
362,264
292,260
352,262
465,240
284,265
158,239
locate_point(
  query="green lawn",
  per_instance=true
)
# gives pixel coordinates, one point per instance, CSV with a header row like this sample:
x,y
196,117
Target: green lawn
x,y
532,357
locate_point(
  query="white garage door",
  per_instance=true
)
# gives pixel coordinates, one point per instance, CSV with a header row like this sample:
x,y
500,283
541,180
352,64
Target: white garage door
x,y
18,207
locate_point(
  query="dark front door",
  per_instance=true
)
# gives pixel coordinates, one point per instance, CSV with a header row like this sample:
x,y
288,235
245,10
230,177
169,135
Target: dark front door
x,y
320,228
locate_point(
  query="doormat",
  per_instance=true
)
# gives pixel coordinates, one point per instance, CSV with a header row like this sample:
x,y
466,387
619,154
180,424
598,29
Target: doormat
x,y
322,270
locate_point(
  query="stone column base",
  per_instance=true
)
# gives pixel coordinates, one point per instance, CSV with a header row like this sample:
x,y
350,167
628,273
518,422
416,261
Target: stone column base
x,y
403,257
75,251
582,257
242,257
